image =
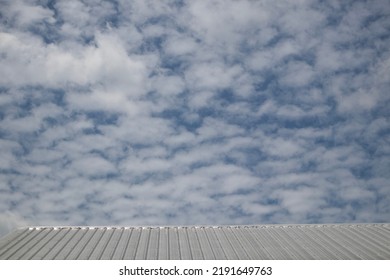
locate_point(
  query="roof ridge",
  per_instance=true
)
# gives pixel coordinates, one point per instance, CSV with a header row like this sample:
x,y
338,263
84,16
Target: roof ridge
x,y
205,226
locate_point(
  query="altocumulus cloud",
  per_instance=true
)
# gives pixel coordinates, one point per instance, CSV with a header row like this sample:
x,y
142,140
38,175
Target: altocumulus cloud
x,y
194,112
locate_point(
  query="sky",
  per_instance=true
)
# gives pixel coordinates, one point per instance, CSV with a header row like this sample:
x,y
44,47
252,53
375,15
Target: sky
x,y
140,112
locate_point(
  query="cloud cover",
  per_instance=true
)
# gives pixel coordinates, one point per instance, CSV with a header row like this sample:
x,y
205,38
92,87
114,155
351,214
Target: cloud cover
x,y
194,112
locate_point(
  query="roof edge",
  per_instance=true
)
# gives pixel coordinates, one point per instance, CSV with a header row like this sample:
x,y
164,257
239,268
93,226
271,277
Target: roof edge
x,y
31,227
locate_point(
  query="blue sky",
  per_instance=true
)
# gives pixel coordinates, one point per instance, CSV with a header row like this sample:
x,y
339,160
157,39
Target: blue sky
x,y
194,112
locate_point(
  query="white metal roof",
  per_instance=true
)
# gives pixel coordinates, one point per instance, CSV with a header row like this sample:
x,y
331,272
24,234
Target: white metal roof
x,y
281,242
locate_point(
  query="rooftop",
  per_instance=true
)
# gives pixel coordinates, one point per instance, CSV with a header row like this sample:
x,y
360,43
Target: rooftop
x,y
280,242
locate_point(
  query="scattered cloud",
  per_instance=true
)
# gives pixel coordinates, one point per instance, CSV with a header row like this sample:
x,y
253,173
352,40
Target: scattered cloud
x,y
194,112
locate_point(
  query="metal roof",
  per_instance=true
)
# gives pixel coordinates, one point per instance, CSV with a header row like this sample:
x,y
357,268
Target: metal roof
x,y
280,242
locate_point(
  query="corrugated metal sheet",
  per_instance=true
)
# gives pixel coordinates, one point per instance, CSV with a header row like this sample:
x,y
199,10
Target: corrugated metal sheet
x,y
281,242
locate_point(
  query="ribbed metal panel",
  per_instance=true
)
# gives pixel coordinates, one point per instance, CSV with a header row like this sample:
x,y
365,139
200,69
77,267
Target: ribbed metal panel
x,y
283,242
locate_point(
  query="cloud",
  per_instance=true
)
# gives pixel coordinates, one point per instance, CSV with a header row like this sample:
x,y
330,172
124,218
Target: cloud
x,y
24,15
194,112
10,221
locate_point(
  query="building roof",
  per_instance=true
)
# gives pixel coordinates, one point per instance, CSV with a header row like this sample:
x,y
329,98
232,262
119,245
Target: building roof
x,y
280,242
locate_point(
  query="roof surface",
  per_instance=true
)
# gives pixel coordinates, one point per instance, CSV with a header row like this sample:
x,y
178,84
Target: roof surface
x,y
280,242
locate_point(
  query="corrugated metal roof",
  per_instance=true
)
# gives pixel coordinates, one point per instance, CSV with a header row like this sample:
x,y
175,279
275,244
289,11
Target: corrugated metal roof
x,y
281,242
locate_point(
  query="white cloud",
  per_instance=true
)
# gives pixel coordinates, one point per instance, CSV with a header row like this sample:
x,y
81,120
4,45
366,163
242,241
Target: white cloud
x,y
357,101
145,112
298,74
300,201
7,149
201,99
168,85
282,147
93,166
180,45
10,221
212,76
107,63
24,14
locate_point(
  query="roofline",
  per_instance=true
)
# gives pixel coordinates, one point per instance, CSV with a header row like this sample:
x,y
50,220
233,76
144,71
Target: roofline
x,y
192,226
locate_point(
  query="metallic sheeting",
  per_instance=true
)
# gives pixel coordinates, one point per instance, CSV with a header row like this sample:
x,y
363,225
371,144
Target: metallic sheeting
x,y
280,242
